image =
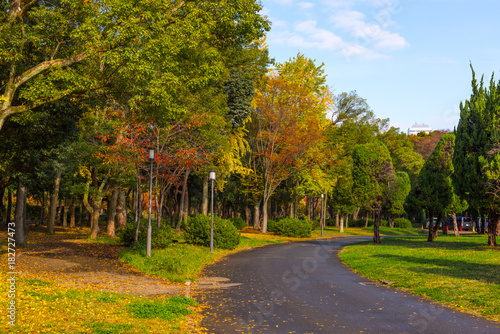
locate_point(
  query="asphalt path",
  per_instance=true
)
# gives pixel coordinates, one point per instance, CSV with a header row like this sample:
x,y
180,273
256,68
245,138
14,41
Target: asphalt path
x,y
303,287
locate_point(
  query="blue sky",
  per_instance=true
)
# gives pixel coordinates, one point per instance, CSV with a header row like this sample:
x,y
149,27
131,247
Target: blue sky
x,y
408,58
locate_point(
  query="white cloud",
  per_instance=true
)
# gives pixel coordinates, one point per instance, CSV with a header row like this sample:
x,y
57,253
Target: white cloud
x,y
305,5
367,34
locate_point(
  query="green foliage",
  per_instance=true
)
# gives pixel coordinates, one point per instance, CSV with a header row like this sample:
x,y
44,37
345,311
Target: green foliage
x,y
434,190
160,237
238,222
402,223
372,174
197,232
330,222
274,225
360,222
297,228
315,224
172,308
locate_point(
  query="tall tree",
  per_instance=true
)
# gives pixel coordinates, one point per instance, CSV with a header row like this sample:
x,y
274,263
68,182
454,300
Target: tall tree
x,y
475,157
286,123
373,179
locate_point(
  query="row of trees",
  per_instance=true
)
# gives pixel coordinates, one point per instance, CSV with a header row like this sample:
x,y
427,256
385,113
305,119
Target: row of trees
x,y
88,87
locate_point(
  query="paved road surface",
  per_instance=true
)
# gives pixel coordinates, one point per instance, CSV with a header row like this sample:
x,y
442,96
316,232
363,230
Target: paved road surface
x,y
304,288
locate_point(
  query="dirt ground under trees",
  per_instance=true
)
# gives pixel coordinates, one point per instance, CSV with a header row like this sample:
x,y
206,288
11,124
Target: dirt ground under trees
x,y
68,258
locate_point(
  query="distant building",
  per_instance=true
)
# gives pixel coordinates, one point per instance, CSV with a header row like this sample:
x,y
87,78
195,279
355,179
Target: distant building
x,y
416,128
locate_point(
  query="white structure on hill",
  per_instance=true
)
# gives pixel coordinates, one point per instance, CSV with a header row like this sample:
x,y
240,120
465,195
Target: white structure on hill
x,y
416,128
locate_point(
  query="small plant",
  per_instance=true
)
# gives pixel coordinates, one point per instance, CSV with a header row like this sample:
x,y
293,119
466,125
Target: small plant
x,y
197,232
172,308
274,226
402,223
238,222
160,237
295,228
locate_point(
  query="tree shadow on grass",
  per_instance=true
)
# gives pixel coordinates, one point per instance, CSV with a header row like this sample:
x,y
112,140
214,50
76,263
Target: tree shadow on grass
x,y
485,273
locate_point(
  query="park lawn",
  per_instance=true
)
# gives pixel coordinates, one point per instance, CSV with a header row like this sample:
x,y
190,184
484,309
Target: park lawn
x,y
460,272
45,307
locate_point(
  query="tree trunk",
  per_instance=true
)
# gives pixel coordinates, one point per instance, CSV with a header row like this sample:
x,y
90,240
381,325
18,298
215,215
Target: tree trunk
x,y
367,218
112,209
337,223
256,216
95,214
138,211
492,227
58,216
436,227
2,209
18,219
80,216
455,225
264,215
54,198
431,226
8,214
65,213
356,213
204,196
180,217
121,205
376,226
341,224
72,213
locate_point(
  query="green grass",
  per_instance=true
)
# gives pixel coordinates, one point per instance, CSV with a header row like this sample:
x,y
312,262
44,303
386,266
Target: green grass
x,y
105,239
169,309
461,272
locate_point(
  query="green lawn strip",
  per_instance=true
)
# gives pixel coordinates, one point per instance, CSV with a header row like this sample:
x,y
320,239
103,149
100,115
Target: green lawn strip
x,y
461,272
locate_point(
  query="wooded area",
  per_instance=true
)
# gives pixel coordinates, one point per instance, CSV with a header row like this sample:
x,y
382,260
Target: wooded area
x,y
89,86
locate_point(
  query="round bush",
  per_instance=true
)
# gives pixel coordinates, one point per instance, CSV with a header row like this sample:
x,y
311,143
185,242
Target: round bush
x,y
197,232
238,222
160,237
274,226
295,228
402,223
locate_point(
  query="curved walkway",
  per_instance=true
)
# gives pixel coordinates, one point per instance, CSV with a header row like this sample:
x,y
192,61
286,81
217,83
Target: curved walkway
x,y
304,288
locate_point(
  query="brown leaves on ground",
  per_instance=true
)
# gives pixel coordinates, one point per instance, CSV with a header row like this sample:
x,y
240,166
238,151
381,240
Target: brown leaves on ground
x,y
68,258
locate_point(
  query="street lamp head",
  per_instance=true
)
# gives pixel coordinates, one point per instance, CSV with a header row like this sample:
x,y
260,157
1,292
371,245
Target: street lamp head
x,y
211,175
151,153
322,195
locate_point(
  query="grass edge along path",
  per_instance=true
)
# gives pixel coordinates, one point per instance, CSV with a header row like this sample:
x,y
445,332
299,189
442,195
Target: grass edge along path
x,y
460,272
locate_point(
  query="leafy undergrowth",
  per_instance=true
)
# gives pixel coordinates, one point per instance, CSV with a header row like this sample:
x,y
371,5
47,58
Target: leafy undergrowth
x,y
44,307
460,272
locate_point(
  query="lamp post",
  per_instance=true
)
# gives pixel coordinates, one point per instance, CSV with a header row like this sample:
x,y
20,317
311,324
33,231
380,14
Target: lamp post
x,y
211,177
151,155
321,219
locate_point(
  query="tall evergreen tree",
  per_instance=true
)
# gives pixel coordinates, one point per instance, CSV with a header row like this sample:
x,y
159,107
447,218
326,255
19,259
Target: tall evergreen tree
x,y
475,158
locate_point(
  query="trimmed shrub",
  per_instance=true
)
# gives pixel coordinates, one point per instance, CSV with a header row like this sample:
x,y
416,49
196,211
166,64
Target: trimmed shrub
x,y
274,226
295,228
197,232
160,237
314,224
402,223
360,222
238,222
330,222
